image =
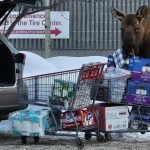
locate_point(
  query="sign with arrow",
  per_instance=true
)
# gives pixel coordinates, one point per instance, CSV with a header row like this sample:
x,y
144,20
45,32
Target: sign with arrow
x,y
33,26
55,31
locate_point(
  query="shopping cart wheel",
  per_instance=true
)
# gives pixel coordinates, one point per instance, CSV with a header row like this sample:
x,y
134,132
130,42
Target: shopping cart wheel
x,y
24,139
108,137
79,143
143,127
99,137
87,135
36,139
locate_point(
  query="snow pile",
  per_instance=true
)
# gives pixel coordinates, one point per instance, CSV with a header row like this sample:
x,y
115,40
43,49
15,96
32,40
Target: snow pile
x,y
137,136
36,65
68,63
5,126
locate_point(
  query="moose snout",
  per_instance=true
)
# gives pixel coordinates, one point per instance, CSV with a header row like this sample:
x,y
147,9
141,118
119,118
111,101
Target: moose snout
x,y
129,37
128,40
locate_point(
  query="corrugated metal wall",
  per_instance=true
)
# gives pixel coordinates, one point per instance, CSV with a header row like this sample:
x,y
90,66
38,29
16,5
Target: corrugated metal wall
x,y
92,26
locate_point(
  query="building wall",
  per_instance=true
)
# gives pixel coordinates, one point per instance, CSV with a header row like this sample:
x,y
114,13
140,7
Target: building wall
x,y
93,30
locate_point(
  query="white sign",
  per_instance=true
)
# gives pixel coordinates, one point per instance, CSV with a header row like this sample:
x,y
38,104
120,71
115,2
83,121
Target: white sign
x,y
33,26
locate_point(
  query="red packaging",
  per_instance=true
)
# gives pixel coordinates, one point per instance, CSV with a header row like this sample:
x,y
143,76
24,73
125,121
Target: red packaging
x,y
83,117
90,119
69,119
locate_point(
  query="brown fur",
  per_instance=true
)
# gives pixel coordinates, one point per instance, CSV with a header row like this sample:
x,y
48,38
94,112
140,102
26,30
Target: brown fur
x,y
135,30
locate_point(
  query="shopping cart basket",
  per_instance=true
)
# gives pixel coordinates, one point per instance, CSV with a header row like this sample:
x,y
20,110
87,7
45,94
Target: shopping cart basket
x,y
131,90
73,86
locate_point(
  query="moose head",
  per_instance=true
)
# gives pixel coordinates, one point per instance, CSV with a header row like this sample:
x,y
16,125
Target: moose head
x,y
135,31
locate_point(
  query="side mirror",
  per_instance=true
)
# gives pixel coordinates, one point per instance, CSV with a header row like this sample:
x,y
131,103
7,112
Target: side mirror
x,y
19,58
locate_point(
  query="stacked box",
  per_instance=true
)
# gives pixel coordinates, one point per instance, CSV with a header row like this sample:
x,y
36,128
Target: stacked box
x,y
112,117
138,88
138,100
30,122
141,77
138,91
137,64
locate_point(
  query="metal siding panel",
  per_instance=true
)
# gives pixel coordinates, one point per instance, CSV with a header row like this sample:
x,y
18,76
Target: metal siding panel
x,y
17,44
38,43
83,23
26,44
96,26
91,26
94,19
103,25
86,15
108,28
79,13
43,44
75,26
88,27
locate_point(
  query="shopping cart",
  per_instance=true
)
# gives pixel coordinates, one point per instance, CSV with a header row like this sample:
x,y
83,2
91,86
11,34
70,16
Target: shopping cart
x,y
71,98
70,92
132,90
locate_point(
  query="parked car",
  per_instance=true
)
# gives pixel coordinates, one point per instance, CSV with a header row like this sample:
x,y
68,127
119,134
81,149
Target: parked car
x,y
11,91
11,66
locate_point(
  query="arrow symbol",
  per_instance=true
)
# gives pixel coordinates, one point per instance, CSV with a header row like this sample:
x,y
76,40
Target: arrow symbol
x,y
56,31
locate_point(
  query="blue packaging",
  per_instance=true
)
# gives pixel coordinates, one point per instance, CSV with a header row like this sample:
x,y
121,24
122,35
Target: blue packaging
x,y
137,64
138,88
142,115
31,122
111,62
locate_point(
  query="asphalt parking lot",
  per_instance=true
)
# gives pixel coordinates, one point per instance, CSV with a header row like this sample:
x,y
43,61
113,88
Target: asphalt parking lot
x,y
9,142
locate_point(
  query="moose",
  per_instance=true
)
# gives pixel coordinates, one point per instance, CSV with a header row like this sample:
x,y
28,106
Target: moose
x,y
135,31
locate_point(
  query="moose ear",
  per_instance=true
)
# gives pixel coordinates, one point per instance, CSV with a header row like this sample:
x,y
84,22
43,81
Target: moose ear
x,y
117,13
142,11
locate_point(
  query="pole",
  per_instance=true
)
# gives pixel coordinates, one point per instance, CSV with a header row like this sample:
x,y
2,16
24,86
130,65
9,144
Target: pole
x,y
47,31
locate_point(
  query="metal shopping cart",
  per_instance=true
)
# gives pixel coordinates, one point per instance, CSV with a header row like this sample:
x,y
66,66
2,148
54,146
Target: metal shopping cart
x,y
67,97
131,90
70,103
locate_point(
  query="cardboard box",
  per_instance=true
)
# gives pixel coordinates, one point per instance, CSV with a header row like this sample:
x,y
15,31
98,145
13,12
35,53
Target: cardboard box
x,y
113,111
141,77
137,64
138,99
138,88
114,124
112,117
30,122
